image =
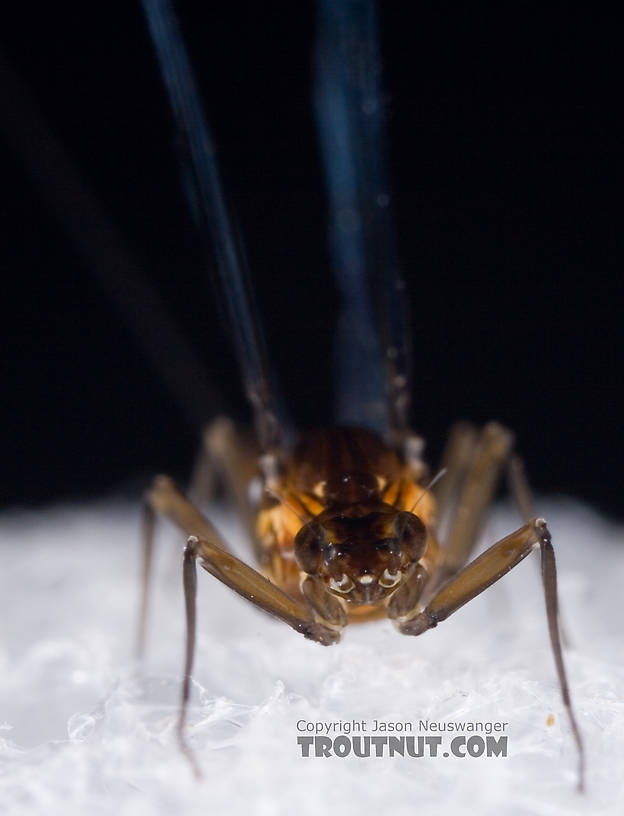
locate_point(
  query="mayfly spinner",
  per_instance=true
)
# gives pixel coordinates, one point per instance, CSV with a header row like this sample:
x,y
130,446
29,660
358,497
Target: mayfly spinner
x,y
347,524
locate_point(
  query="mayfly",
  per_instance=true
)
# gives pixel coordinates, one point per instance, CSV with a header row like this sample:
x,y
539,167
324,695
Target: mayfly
x,y
346,524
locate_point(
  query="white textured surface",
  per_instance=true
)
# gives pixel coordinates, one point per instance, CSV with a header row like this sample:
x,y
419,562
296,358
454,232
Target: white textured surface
x,y
83,731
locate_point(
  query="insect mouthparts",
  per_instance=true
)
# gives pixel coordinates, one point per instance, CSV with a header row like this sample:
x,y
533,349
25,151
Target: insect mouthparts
x,y
389,579
345,584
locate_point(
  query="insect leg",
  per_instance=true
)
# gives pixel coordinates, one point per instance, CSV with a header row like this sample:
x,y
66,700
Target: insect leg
x,y
228,457
165,498
406,598
523,497
458,454
476,577
475,496
205,544
203,482
520,489
147,536
481,573
251,585
549,578
221,457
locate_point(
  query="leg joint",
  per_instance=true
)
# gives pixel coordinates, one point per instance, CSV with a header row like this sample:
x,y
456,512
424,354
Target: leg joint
x,y
191,548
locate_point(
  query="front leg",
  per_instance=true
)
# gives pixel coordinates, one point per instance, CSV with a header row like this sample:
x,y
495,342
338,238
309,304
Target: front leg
x,y
482,573
476,577
204,544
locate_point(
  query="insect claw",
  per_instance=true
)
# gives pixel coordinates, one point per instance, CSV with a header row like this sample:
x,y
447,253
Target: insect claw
x,y
192,543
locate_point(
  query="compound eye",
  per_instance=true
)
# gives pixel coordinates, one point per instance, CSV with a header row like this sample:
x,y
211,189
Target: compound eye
x,y
389,545
309,543
411,535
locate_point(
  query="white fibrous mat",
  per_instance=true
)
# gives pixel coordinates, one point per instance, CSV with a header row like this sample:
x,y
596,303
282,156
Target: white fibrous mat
x,y
85,729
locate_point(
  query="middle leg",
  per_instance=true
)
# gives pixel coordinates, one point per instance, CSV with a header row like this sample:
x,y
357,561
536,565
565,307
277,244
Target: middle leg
x,y
481,573
487,454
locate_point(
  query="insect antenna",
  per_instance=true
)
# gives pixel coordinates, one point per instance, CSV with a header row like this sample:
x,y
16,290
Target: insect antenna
x,y
439,475
428,487
281,497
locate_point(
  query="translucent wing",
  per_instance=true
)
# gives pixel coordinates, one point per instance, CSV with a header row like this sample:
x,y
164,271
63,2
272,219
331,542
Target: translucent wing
x,y
372,385
210,210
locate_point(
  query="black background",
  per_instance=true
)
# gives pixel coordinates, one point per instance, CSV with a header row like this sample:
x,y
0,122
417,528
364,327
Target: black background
x,y
504,149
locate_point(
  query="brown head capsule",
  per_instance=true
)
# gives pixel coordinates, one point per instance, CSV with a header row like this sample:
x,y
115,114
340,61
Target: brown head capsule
x,y
362,552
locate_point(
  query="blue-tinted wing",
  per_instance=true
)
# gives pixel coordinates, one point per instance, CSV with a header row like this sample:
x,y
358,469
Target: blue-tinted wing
x,y
372,387
212,215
